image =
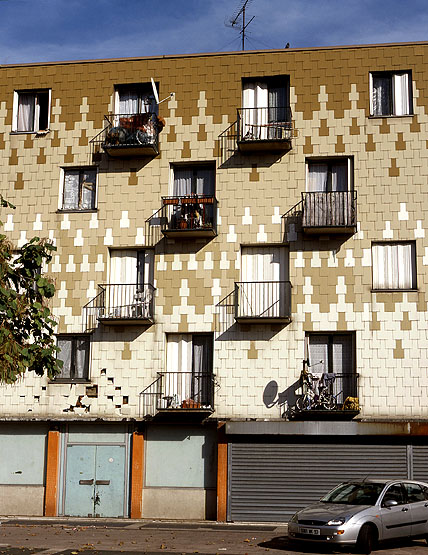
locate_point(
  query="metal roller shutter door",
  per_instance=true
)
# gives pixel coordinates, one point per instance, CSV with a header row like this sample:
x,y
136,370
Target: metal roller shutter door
x,y
420,462
269,482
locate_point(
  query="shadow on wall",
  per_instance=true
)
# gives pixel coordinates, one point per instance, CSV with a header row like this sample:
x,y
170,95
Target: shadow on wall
x,y
284,399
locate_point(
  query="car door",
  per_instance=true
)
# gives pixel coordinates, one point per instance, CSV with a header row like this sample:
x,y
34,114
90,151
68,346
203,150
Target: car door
x,y
418,508
396,520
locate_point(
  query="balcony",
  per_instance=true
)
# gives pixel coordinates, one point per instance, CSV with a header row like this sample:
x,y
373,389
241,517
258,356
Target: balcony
x,y
329,212
121,304
263,302
130,135
327,397
189,216
265,129
186,393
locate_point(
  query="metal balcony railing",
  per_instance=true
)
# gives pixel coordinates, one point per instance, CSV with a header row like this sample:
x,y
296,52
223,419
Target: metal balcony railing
x,y
190,214
123,303
334,209
329,392
192,391
263,300
265,124
129,134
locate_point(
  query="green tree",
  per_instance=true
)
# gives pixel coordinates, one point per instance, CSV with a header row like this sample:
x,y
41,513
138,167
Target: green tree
x,y
27,340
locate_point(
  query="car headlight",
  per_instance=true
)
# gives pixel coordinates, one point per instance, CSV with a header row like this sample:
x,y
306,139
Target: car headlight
x,y
336,522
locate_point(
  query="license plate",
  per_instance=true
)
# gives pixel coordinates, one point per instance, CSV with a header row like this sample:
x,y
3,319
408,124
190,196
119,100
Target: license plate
x,y
310,531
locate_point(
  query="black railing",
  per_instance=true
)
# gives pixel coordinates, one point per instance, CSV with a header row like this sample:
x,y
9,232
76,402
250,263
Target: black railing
x,y
263,300
178,391
196,213
127,301
332,209
329,392
265,124
130,131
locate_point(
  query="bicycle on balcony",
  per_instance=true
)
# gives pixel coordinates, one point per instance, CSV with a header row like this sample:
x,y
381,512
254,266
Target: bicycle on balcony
x,y
317,390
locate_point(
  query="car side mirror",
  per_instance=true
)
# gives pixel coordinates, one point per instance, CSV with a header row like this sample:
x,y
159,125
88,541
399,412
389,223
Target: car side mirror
x,y
390,503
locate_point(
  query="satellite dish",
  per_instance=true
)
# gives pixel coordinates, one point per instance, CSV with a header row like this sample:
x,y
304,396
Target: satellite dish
x,y
155,90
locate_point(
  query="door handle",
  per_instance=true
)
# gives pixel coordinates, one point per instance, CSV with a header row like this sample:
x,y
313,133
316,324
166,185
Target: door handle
x,y
86,482
404,509
426,505
102,482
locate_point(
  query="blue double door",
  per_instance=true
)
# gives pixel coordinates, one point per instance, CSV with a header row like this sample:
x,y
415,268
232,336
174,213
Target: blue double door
x,y
96,481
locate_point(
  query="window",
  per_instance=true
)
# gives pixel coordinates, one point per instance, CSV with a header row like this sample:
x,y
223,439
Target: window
x,y
394,265
391,94
333,354
74,352
394,493
31,111
414,492
135,99
79,190
334,174
130,292
189,365
196,180
263,291
265,101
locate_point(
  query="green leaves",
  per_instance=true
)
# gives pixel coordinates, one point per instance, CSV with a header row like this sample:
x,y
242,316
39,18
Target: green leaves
x,y
26,324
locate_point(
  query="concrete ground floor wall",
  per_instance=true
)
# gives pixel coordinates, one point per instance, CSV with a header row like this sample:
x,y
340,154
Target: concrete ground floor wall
x,y
21,500
179,503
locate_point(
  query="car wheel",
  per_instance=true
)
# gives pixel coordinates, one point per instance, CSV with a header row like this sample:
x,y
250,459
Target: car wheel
x,y
366,539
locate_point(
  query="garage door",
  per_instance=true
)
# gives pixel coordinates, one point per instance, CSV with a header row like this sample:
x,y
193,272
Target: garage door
x,y
420,462
269,482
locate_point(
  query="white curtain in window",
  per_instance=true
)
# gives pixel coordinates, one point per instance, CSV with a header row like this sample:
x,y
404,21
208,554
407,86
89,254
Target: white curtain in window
x,y
255,110
401,94
317,177
318,353
26,109
339,177
178,378
394,266
88,190
71,190
182,182
205,182
122,289
261,265
81,358
65,346
128,102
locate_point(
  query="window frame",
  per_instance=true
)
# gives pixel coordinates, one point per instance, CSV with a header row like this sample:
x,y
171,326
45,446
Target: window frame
x,y
414,266
73,337
35,92
81,170
392,100
142,89
330,161
330,335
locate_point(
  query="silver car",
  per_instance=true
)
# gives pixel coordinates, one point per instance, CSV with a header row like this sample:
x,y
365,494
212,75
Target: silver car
x,y
364,512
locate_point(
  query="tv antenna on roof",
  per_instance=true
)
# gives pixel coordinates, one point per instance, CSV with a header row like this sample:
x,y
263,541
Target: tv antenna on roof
x,y
156,95
233,21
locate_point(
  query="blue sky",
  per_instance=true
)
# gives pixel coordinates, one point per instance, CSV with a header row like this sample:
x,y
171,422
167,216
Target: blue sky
x,y
54,30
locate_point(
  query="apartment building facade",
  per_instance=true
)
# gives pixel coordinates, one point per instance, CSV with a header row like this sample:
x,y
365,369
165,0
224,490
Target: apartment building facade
x,y
215,247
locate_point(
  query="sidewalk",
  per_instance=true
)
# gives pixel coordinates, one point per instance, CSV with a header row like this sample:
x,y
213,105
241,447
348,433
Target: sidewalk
x,y
53,535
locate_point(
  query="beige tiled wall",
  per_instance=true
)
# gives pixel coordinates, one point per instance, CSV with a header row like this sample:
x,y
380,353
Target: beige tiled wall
x,y
331,277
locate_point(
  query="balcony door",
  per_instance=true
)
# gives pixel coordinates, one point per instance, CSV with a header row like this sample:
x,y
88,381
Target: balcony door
x,y
189,367
264,102
131,271
329,198
263,271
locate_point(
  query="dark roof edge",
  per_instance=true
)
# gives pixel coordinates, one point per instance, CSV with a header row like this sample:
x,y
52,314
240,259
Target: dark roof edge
x,y
212,54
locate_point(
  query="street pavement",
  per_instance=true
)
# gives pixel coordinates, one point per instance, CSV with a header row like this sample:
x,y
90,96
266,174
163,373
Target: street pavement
x,y
107,537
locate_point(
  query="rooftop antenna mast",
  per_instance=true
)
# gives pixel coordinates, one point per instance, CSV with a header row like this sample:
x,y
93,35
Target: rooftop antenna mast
x,y
233,21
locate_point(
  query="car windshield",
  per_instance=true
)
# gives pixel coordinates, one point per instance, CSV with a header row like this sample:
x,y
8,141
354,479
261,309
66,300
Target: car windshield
x,y
355,494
